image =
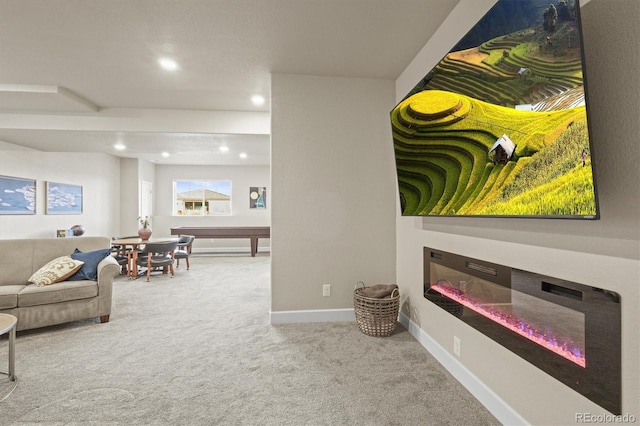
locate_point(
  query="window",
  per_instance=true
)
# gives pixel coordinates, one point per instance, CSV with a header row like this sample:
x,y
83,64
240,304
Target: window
x,y
201,198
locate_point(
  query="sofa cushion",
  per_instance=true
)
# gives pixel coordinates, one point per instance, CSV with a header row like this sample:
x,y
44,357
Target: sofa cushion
x,y
22,257
16,261
64,291
56,270
89,270
9,295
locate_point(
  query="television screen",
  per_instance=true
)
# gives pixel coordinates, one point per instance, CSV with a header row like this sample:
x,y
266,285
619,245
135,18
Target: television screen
x,y
499,127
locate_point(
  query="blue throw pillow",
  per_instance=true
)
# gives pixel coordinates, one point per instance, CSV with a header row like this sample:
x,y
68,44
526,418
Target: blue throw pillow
x,y
89,270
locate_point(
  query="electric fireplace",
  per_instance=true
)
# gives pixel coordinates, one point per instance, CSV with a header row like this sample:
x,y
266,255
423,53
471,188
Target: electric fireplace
x,y
569,330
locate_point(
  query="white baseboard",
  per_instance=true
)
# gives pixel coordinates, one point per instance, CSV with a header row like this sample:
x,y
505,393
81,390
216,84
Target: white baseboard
x,y
319,315
496,405
205,250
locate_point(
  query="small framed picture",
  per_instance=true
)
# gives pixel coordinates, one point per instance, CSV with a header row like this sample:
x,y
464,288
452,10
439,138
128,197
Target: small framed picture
x,y
63,198
257,197
17,195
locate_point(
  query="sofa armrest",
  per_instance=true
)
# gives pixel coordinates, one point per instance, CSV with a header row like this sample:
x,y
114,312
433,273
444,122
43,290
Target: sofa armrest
x,y
108,269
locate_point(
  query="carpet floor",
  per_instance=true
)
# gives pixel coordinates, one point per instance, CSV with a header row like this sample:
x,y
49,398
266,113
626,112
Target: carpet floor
x,y
198,349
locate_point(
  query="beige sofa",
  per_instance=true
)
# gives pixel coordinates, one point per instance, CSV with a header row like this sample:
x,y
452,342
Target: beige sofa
x,y
56,303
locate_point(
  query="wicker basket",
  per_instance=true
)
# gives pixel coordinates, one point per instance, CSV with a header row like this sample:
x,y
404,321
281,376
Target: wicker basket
x,y
376,317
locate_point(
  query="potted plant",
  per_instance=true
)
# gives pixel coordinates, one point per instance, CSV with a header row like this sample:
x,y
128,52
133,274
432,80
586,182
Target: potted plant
x,y
145,231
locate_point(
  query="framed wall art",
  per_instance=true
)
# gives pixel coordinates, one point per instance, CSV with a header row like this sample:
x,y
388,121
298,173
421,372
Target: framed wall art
x,y
17,195
257,197
63,198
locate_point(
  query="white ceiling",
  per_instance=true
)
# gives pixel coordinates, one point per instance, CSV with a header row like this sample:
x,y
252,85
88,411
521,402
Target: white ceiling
x,y
67,67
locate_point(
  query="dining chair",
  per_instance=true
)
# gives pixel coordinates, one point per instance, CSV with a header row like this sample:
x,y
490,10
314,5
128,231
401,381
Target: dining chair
x,y
184,249
123,260
121,254
156,255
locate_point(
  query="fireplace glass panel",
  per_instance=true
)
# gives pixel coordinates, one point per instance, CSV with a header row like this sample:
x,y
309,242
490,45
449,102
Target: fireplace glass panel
x,y
556,328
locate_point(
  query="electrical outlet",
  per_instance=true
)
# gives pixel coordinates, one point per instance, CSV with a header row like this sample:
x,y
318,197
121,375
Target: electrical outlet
x,y
456,346
326,290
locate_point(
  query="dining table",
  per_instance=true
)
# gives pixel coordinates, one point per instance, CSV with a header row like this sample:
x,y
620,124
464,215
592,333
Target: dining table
x,y
131,246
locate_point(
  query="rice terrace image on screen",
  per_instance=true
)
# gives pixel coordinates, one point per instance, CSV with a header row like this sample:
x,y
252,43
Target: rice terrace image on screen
x,y
499,126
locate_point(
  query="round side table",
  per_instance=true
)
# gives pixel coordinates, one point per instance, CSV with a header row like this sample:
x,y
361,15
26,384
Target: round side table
x,y
8,324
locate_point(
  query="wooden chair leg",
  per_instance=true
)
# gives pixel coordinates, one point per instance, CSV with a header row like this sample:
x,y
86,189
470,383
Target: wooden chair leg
x,y
187,263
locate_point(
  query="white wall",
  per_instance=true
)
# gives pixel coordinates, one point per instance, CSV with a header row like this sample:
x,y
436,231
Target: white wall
x,y
130,177
242,178
99,175
604,253
111,188
333,189
6,146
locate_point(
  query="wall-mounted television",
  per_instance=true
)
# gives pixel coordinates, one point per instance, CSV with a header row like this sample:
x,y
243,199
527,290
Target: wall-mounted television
x,y
499,127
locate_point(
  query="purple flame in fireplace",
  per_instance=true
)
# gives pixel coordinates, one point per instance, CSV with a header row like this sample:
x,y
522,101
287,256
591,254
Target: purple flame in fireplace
x,y
544,338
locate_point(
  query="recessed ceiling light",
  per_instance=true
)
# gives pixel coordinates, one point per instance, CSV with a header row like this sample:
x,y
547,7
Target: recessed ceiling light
x,y
120,146
243,155
224,148
168,64
165,154
257,100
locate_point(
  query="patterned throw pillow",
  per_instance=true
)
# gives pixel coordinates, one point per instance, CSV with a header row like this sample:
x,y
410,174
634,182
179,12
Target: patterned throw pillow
x,y
57,270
